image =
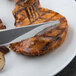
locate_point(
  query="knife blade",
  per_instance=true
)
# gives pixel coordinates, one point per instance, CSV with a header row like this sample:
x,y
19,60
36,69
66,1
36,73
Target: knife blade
x,y
9,36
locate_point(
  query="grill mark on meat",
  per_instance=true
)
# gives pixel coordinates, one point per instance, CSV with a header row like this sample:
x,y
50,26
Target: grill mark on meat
x,y
46,47
33,21
60,34
23,6
55,27
37,10
60,28
51,17
27,13
58,38
18,3
45,20
4,49
15,14
63,19
41,33
26,17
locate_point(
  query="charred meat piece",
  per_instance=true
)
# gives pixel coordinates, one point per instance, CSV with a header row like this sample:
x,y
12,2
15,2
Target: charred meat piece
x,y
4,49
21,13
2,60
1,25
26,10
45,41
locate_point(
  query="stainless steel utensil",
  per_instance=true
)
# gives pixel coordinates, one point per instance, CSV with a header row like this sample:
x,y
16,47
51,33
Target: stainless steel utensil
x,y
8,35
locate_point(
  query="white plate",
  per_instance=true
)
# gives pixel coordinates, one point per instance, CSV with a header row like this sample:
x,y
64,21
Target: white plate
x,y
52,63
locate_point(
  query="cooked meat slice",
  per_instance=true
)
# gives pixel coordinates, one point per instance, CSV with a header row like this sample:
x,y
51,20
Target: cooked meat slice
x,y
1,25
46,40
43,42
4,49
2,60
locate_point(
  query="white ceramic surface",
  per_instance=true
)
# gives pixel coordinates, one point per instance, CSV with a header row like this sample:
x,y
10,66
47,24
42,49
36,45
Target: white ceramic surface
x,y
52,63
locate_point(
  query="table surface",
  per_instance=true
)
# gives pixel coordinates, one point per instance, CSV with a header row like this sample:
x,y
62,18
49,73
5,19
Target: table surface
x,y
70,70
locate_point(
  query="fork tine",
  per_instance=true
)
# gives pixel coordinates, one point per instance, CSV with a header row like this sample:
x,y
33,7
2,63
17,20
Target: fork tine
x,y
37,10
30,9
34,11
28,14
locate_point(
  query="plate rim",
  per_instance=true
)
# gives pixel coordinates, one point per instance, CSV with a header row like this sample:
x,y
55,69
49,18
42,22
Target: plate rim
x,y
64,66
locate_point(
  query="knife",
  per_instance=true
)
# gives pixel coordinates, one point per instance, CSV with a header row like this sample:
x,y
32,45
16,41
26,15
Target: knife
x,y
12,35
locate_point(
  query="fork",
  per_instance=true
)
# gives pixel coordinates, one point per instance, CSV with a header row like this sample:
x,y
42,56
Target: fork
x,y
33,12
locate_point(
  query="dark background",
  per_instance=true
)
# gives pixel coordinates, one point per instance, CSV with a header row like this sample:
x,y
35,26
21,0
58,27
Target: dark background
x,y
70,70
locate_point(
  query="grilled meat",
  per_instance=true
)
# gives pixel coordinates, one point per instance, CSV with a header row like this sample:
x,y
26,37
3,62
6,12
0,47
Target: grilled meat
x,y
2,61
1,25
4,49
20,12
45,41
